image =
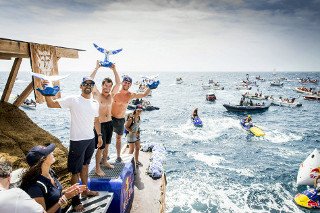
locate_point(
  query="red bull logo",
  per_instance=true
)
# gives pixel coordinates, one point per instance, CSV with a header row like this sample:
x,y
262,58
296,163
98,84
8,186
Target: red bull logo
x,y
317,170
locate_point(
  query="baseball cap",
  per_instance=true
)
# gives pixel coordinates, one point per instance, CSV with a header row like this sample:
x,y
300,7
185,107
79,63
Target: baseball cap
x,y
87,78
127,78
37,152
138,107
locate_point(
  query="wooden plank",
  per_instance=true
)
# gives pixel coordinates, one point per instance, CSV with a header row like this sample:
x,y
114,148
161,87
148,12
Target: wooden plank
x,y
11,55
66,53
14,47
23,95
11,79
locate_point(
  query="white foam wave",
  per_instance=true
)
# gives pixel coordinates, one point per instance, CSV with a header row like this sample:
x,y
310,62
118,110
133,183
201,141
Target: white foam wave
x,y
215,161
212,128
281,137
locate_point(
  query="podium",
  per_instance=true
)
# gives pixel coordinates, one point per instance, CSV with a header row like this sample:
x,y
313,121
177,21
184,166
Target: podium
x,y
119,181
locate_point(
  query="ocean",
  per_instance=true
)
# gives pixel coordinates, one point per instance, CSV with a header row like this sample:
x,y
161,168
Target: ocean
x,y
219,167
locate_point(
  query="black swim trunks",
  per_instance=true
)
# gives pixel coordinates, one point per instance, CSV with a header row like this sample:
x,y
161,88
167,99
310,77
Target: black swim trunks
x,y
118,125
80,153
106,130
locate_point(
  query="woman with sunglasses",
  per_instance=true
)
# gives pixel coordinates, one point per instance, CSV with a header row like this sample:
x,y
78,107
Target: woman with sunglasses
x,y
133,137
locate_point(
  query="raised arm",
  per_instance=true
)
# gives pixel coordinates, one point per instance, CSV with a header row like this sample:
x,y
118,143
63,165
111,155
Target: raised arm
x,y
116,87
95,91
141,95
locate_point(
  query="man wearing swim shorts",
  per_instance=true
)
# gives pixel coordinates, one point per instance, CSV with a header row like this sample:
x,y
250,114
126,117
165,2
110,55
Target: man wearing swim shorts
x,y
105,98
119,107
84,117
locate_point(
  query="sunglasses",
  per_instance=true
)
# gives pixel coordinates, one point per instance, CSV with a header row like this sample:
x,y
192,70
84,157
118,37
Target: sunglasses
x,y
87,84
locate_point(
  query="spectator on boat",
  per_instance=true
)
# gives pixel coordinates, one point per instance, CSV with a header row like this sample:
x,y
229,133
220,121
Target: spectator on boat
x,y
105,98
119,107
14,199
250,103
84,117
133,137
41,183
241,102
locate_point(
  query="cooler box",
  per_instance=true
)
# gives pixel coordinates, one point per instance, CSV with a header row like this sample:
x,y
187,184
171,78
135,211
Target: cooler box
x,y
119,181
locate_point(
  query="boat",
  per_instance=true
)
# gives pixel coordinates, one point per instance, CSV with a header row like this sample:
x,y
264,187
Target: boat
x,y
146,106
307,80
29,105
311,97
196,121
283,79
213,86
305,90
308,171
243,87
255,96
260,79
238,108
252,128
276,83
211,97
285,102
179,80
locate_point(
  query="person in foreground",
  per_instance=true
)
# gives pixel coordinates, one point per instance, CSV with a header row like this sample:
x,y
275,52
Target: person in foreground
x,y
41,183
133,137
119,107
15,199
105,98
84,117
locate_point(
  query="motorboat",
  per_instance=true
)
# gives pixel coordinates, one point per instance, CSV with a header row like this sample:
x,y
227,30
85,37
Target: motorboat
x,y
306,90
276,83
311,97
243,87
285,102
255,96
179,80
211,97
246,108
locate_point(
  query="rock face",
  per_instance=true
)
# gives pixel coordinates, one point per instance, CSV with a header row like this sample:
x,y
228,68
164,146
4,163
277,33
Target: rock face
x,y
18,134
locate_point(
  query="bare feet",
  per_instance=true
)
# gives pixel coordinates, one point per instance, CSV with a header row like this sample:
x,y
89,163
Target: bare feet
x,y
107,165
89,193
99,172
78,208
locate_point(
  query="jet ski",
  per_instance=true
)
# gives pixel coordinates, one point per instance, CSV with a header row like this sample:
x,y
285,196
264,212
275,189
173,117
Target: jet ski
x,y
252,128
196,121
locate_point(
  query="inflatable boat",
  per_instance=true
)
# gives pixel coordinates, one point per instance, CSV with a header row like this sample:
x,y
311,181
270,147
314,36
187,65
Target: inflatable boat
x,y
238,108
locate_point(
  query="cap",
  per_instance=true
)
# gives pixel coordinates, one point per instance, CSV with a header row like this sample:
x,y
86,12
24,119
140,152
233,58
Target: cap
x,y
127,78
138,107
37,152
87,78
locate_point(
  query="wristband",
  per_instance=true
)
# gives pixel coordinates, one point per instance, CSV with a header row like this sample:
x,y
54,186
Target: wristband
x,y
100,134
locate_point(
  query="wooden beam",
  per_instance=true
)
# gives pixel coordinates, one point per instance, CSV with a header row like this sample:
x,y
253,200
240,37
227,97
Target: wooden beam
x,y
11,79
66,53
10,55
14,47
23,95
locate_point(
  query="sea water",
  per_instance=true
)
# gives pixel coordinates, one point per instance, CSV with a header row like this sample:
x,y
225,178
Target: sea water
x,y
219,167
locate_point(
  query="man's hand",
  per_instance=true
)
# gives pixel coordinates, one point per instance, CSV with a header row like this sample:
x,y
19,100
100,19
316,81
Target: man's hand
x,y
99,142
98,64
113,67
45,83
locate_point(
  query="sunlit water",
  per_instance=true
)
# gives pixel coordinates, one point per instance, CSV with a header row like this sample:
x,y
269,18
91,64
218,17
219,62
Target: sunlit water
x,y
219,167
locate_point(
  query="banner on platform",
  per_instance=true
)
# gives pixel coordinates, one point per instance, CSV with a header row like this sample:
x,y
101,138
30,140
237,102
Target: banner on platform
x,y
44,61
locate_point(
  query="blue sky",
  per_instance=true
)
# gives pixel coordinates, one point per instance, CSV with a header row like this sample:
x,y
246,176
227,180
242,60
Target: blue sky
x,y
172,35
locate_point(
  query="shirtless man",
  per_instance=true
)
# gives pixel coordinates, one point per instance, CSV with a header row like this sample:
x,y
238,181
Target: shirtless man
x,y
119,107
105,98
